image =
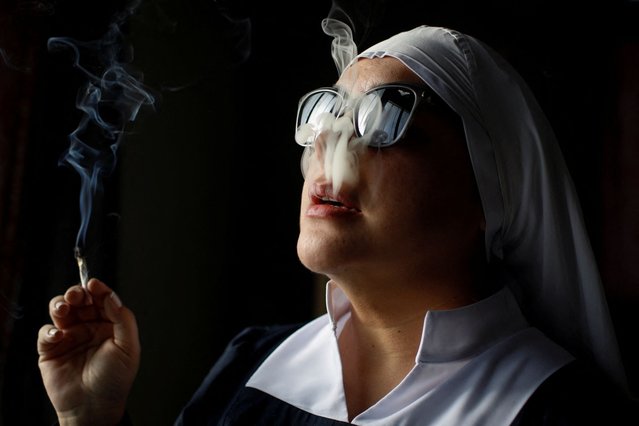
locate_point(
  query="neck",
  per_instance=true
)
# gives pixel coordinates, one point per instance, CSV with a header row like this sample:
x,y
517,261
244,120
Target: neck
x,y
389,319
379,343
375,358
383,300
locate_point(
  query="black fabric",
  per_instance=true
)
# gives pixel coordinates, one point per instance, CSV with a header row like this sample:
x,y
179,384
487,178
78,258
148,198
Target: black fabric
x,y
578,395
256,408
574,395
227,377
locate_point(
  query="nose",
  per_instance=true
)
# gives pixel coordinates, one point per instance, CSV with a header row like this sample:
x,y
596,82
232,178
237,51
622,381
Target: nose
x,y
335,151
320,144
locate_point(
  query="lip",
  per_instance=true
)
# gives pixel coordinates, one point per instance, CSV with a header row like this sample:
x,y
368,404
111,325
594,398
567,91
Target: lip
x,y
324,203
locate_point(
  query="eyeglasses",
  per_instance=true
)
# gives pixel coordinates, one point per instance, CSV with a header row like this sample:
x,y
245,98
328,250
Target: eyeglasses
x,y
381,115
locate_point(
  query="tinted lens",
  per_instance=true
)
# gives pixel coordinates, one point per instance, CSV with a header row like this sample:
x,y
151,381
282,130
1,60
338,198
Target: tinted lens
x,y
316,103
383,114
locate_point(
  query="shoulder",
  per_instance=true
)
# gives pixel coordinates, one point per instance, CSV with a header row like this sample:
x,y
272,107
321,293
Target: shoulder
x,y
243,354
253,344
577,394
260,337
249,347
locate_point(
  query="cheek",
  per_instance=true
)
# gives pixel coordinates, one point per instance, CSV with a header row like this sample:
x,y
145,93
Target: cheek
x,y
397,179
304,199
308,161
427,192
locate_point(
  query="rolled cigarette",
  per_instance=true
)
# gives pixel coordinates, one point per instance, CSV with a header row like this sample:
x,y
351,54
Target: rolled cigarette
x,y
84,272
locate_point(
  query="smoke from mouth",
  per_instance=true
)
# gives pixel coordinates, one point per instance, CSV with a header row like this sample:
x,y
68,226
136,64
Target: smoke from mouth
x,y
333,143
110,99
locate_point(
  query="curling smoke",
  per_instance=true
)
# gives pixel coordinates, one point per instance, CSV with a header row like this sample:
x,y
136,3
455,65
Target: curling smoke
x,y
343,47
5,59
237,29
111,98
4,56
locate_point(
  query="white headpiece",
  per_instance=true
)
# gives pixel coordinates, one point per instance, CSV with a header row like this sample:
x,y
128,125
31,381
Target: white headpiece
x,y
534,221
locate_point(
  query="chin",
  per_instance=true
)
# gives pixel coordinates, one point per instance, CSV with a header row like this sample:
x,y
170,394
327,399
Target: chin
x,y
318,255
309,254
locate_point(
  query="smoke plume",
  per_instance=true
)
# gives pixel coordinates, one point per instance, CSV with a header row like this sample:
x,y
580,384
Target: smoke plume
x,y
4,57
110,99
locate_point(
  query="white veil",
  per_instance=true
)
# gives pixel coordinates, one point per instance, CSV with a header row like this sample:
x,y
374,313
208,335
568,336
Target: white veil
x,y
535,228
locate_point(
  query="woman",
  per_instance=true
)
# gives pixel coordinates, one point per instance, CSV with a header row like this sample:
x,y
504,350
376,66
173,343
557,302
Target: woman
x,y
463,289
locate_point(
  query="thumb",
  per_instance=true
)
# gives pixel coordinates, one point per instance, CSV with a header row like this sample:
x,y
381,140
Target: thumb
x,y
125,328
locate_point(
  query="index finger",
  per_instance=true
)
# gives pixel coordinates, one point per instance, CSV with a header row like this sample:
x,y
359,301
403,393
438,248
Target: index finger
x,y
74,307
98,290
76,296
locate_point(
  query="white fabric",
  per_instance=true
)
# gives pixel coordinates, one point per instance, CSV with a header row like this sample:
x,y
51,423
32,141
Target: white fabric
x,y
476,365
535,228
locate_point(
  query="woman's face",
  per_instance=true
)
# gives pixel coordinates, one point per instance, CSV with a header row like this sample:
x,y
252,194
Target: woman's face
x,y
412,210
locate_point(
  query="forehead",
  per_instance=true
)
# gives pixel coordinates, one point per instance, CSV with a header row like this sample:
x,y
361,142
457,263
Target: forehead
x,y
366,74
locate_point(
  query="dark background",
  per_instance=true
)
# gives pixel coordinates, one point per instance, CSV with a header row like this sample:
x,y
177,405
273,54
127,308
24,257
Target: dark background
x,y
197,225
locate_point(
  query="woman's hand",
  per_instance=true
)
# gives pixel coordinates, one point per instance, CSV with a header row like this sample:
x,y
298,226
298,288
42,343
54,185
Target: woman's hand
x,y
89,356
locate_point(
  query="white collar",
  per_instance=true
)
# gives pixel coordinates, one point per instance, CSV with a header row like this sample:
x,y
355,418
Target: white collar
x,y
475,365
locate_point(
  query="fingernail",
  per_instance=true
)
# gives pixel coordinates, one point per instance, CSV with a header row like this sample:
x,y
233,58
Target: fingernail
x,y
53,331
58,305
116,299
